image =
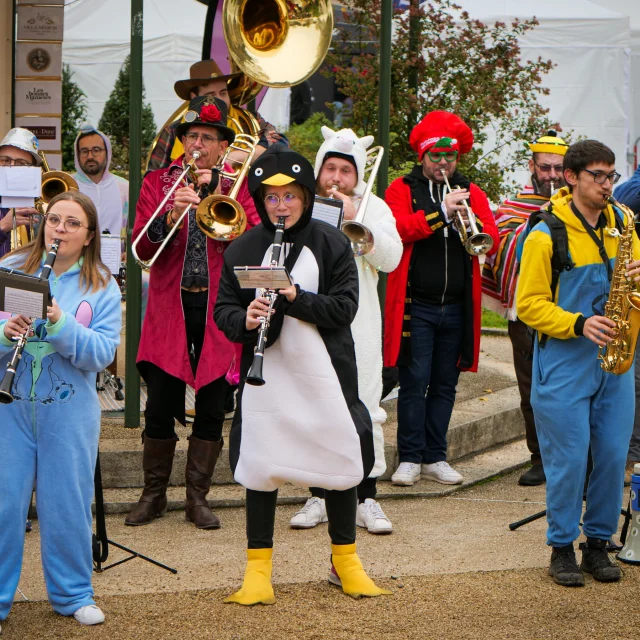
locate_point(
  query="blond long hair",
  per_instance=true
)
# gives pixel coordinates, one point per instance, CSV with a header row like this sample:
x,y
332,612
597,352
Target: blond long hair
x,y
94,274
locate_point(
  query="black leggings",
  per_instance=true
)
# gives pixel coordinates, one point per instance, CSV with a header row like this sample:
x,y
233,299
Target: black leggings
x,y
366,489
261,516
165,399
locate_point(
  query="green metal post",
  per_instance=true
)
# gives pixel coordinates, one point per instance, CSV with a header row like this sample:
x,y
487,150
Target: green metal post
x,y
384,112
384,93
134,288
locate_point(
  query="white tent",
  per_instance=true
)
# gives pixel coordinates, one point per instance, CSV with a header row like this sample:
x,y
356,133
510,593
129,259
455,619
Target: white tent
x,y
632,9
96,42
589,87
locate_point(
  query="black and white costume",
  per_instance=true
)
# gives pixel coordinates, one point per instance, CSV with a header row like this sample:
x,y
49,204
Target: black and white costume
x,y
306,425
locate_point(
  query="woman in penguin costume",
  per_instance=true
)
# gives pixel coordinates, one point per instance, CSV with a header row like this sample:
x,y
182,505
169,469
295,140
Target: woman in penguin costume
x,y
306,424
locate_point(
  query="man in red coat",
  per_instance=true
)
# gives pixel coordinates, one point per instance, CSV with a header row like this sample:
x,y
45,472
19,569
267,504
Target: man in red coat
x,y
180,342
432,309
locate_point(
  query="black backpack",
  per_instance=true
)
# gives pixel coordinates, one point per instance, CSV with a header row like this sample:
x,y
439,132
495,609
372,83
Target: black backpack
x,y
560,260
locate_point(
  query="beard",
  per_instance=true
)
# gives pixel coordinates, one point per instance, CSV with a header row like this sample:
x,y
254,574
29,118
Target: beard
x,y
93,168
542,186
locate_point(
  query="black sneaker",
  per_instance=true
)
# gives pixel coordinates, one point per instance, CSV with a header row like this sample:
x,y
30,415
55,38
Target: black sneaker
x,y
533,477
564,569
596,561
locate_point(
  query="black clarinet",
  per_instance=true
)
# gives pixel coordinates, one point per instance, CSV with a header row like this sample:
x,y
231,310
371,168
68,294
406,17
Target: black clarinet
x,y
254,376
10,373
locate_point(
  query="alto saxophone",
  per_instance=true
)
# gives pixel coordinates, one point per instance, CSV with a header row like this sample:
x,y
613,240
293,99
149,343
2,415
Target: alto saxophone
x,y
623,305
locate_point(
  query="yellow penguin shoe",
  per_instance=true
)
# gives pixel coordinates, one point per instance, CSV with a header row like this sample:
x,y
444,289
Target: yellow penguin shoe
x,y
347,572
256,586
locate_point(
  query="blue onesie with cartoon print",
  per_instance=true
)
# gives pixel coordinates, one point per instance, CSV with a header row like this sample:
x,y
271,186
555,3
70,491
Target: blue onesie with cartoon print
x,y
49,438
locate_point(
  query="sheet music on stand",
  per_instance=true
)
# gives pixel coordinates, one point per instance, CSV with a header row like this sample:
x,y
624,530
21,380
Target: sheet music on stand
x,y
24,294
328,210
263,277
110,251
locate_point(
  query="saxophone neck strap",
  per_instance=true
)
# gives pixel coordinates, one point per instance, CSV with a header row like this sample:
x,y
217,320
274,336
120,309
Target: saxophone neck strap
x,y
599,240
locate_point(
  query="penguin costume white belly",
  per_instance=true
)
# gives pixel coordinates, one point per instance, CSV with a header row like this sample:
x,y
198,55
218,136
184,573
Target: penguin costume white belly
x,y
297,426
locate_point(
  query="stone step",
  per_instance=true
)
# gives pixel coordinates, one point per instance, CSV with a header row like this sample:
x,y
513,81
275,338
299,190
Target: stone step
x,y
476,425
496,461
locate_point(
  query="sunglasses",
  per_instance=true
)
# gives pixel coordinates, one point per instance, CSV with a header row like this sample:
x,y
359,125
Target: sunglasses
x,y
436,156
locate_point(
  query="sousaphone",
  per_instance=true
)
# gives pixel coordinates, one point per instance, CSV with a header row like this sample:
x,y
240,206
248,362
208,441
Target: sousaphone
x,y
278,43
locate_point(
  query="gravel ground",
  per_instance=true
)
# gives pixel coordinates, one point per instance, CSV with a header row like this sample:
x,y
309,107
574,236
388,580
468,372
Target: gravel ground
x,y
455,570
499,605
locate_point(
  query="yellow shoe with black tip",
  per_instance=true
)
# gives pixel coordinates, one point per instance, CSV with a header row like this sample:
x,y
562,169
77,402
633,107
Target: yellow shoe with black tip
x,y
256,586
351,576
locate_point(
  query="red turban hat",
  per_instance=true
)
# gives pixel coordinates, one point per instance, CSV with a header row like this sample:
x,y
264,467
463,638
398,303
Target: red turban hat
x,y
443,131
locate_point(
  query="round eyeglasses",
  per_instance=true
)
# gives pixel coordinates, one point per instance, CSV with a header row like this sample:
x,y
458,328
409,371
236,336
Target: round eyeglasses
x,y
272,201
71,225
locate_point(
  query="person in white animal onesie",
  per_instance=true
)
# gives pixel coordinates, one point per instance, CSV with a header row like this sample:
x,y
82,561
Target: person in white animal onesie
x,y
340,173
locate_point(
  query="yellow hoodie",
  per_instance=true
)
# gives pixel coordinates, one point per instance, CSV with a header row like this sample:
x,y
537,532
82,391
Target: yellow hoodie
x,y
582,291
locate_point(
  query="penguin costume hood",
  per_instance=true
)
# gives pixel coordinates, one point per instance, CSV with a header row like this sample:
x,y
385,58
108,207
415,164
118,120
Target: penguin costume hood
x,y
277,167
306,424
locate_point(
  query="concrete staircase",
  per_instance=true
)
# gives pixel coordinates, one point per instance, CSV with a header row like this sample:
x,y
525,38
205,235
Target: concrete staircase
x,y
485,439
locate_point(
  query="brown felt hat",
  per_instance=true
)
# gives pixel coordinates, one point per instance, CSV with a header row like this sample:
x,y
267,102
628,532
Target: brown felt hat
x,y
201,73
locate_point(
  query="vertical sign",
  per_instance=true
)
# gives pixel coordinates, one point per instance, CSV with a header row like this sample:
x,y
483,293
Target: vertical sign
x,y
38,68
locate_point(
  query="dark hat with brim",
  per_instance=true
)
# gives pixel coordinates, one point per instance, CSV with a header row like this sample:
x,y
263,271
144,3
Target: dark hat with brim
x,y
201,73
206,111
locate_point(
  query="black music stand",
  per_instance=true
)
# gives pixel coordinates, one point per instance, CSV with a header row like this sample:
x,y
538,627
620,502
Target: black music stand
x,y
100,541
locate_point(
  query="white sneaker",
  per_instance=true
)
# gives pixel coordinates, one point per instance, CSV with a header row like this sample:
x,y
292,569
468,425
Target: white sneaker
x,y
371,516
407,474
312,514
89,615
441,472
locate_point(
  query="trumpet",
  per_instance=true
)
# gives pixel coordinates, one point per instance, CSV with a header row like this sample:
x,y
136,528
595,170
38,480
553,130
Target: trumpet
x,y
254,375
475,242
359,235
6,383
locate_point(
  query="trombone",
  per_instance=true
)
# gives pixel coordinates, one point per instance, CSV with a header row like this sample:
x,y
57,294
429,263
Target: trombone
x,y
147,264
359,235
223,217
219,217
475,241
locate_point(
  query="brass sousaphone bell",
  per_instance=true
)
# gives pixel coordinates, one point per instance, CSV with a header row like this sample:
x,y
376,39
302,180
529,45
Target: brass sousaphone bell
x,y
278,43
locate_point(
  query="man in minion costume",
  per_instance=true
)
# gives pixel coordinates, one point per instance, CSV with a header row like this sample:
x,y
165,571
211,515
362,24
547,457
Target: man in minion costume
x,y
500,275
577,405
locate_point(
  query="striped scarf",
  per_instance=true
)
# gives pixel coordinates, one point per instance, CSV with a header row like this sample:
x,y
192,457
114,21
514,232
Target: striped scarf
x,y
500,271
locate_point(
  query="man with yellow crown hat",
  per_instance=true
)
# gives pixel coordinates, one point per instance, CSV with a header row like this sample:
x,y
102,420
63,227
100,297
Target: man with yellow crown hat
x,y
500,274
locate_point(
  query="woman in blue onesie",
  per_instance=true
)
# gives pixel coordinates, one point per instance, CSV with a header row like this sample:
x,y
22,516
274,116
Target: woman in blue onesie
x,y
49,433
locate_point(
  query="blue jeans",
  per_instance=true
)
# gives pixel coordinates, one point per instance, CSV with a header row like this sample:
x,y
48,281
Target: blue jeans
x,y
425,402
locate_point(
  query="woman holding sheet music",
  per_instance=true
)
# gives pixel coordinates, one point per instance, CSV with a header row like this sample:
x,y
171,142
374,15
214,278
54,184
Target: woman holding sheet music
x,y
50,431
